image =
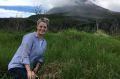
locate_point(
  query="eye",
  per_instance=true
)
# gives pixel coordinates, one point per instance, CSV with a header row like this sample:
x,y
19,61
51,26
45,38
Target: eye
x,y
41,26
45,27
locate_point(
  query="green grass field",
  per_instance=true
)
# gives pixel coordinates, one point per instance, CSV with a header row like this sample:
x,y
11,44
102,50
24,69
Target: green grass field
x,y
70,55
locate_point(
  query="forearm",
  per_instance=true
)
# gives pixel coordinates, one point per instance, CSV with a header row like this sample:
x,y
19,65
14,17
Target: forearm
x,y
37,67
27,66
30,74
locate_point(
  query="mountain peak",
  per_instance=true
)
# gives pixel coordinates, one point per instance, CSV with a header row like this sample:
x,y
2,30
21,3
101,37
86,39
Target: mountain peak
x,y
84,8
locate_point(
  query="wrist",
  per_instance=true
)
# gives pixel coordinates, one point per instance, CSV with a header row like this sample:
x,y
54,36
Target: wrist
x,y
35,70
27,66
28,70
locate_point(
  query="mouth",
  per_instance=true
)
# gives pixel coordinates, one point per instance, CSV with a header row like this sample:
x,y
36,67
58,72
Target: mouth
x,y
41,31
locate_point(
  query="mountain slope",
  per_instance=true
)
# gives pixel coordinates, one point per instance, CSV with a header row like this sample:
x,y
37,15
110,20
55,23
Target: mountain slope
x,y
82,9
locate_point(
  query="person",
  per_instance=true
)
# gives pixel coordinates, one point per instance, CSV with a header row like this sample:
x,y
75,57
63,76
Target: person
x,y
29,57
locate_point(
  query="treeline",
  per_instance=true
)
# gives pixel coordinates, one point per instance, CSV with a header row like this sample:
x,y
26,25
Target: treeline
x,y
15,24
59,22
112,26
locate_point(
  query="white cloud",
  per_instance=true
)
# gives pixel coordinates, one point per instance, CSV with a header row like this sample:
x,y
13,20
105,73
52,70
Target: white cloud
x,y
109,4
12,13
45,3
16,2
113,5
53,3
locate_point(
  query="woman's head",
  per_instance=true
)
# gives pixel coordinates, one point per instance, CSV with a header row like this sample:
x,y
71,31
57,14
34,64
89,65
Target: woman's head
x,y
42,25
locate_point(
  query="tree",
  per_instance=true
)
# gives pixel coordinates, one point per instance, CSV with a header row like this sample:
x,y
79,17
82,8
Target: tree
x,y
38,9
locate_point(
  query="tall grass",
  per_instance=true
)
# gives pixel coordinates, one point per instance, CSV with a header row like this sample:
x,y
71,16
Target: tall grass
x,y
70,55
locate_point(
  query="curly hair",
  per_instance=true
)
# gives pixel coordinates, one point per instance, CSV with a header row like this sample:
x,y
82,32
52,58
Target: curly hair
x,y
45,20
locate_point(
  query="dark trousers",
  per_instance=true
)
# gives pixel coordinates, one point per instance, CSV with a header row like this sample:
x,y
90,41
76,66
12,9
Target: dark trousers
x,y
18,73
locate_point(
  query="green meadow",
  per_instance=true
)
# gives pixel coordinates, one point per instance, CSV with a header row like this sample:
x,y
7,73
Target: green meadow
x,y
70,54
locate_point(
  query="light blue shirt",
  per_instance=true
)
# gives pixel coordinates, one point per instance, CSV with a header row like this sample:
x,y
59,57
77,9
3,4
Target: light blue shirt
x,y
30,51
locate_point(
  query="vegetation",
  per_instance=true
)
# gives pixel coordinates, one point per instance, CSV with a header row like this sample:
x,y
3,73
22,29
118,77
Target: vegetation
x,y
70,55
59,22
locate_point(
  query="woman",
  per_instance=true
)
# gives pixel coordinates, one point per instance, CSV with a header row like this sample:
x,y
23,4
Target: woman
x,y
30,55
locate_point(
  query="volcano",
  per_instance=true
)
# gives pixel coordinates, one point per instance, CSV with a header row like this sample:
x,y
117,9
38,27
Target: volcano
x,y
82,8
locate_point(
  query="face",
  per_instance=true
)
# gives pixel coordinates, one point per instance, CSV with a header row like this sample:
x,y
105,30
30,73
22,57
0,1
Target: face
x,y
42,28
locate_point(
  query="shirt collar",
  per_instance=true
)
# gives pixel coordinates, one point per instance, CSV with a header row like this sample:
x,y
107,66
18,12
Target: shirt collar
x,y
37,36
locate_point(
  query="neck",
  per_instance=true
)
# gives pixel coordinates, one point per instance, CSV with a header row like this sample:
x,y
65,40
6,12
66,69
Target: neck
x,y
39,36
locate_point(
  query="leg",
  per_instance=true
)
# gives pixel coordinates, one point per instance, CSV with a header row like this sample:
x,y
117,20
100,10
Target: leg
x,y
18,73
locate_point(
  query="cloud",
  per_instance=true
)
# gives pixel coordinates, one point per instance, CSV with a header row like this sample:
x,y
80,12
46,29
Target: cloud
x,y
113,5
54,3
63,2
48,4
12,13
16,2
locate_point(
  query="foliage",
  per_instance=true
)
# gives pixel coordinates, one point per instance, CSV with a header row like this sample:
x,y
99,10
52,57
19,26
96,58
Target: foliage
x,y
70,55
59,22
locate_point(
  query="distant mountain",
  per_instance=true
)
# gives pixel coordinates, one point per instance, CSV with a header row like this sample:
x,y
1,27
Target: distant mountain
x,y
83,9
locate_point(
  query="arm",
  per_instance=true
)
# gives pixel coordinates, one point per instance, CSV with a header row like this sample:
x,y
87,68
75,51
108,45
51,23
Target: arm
x,y
41,59
29,72
27,66
38,66
26,47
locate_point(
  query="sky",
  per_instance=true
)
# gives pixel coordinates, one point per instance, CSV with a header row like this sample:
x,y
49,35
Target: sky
x,y
15,7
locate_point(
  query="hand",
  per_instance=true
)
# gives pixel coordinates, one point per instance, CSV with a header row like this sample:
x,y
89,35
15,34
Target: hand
x,y
29,74
34,75
35,70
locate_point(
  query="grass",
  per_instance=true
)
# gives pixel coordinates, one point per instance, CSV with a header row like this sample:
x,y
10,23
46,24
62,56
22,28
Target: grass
x,y
70,55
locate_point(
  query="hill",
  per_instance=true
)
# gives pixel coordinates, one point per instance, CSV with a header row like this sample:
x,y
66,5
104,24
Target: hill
x,y
82,9
90,16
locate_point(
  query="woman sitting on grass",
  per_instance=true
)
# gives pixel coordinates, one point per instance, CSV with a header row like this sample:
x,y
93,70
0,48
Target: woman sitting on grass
x,y
30,55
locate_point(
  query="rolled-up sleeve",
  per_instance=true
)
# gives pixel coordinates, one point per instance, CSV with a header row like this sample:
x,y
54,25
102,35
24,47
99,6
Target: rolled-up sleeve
x,y
26,47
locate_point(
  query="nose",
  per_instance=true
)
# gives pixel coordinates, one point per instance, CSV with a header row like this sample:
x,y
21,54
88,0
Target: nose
x,y
42,28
